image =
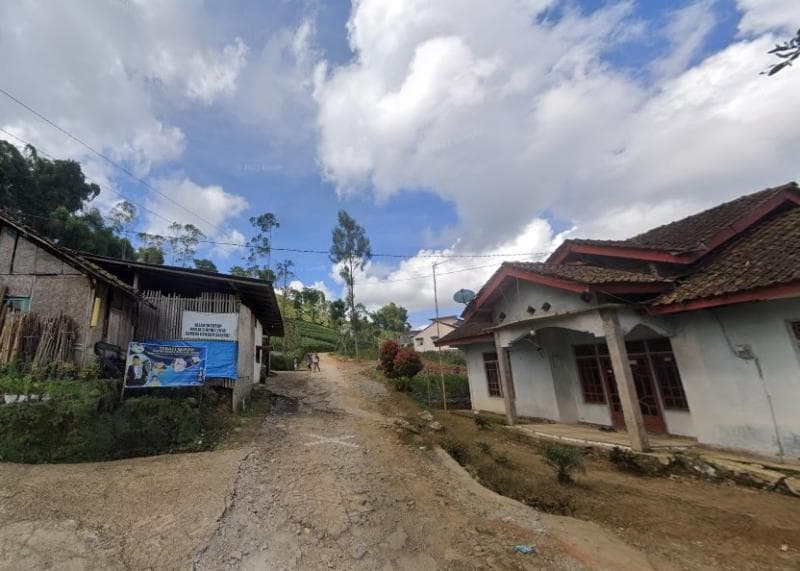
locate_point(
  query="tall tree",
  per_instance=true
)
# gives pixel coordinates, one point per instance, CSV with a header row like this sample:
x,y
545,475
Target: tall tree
x,y
121,215
260,245
786,52
337,312
285,274
351,250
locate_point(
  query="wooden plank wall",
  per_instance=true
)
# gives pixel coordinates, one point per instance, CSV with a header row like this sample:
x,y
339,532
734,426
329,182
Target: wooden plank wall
x,y
164,321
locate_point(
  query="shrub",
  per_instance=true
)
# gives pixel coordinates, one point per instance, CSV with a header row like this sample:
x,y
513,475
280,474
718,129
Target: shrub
x,y
484,447
625,460
154,425
281,362
407,363
482,422
457,450
565,460
389,351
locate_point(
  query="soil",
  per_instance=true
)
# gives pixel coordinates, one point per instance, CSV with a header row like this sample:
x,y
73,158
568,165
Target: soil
x,y
330,478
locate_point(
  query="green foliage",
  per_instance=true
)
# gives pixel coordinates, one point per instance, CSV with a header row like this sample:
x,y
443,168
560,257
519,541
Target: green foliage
x,y
51,196
281,362
482,422
626,460
457,450
337,312
389,351
407,363
565,460
391,317
451,357
205,265
484,447
149,425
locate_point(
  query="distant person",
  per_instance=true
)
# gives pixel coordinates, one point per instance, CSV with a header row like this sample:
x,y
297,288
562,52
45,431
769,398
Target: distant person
x,y
136,375
309,361
294,365
316,363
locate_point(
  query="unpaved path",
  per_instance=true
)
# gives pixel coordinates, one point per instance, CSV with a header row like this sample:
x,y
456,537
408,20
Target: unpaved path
x,y
323,482
333,487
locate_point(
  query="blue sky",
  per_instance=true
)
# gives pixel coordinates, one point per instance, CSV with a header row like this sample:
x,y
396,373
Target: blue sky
x,y
444,128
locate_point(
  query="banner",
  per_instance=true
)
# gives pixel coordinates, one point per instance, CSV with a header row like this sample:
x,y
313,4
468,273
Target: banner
x,y
164,365
221,356
197,325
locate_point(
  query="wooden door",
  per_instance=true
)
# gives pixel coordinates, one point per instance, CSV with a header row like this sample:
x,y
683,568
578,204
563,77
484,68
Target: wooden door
x,y
645,391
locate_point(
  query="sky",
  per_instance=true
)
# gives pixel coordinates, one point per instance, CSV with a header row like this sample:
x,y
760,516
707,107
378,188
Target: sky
x,y
463,132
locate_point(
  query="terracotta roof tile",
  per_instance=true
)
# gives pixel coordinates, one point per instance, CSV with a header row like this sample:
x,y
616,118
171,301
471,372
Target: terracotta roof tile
x,y
471,328
693,232
585,274
765,255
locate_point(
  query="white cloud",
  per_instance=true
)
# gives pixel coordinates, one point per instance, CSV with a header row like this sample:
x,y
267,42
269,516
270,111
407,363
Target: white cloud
x,y
525,116
769,15
211,209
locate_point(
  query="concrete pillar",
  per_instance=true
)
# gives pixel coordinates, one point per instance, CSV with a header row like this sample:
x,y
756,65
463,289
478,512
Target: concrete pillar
x,y
624,377
506,381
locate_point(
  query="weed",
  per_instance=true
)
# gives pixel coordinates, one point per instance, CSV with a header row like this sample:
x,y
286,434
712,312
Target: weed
x,y
482,423
625,460
457,450
501,458
565,460
484,447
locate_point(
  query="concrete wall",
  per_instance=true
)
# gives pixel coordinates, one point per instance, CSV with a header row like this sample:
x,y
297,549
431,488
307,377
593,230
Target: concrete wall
x,y
727,395
478,389
427,336
249,335
533,382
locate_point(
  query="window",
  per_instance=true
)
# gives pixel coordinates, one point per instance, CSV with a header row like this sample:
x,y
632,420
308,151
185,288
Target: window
x,y
492,368
420,341
659,352
18,303
589,373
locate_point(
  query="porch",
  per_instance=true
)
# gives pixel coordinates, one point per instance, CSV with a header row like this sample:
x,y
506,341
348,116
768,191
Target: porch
x,y
591,435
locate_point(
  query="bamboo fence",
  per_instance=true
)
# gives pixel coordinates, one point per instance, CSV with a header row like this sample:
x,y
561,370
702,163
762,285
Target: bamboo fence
x,y
163,321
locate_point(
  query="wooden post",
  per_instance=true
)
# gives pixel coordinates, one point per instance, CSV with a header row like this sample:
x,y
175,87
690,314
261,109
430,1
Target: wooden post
x,y
624,377
504,368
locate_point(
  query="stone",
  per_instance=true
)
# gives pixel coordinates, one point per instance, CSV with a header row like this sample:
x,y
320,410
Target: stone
x,y
425,416
750,474
436,426
793,485
403,424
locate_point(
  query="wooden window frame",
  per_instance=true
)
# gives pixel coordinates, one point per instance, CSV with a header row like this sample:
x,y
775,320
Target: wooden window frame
x,y
493,389
591,396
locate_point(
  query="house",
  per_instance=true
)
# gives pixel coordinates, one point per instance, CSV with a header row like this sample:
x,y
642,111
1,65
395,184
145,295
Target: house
x,y
176,295
119,301
39,277
425,338
692,328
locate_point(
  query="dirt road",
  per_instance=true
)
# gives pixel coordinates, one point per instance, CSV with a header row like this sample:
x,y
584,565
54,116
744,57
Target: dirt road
x,y
322,482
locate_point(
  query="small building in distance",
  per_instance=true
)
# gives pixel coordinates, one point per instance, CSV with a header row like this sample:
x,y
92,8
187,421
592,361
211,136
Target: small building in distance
x,y
425,338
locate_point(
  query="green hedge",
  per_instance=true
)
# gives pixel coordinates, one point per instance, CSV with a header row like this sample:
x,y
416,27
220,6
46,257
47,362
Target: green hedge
x,y
84,421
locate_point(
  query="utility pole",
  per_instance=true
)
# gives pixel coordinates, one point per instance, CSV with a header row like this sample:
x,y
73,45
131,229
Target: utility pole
x,y
438,334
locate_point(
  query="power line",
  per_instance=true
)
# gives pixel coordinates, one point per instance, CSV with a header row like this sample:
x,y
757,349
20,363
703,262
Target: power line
x,y
105,158
87,177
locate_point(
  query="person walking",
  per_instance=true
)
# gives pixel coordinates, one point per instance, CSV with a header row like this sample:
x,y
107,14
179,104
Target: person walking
x,y
309,361
316,363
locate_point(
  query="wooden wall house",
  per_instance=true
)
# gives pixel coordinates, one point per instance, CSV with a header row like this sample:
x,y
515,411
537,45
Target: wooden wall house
x,y
45,281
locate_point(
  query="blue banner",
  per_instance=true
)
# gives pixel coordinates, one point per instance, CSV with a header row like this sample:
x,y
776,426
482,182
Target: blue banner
x,y
221,356
164,364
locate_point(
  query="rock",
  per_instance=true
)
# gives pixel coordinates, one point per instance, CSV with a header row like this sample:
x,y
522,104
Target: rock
x,y
784,547
403,424
793,485
425,416
436,426
748,474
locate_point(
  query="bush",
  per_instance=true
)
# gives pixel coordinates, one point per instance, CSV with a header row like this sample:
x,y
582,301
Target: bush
x,y
482,422
407,363
389,351
281,362
154,425
457,450
626,460
565,460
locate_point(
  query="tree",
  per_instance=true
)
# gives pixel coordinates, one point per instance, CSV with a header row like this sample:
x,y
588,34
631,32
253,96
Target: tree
x,y
261,244
150,255
239,271
122,214
337,311
205,264
786,52
350,249
285,274
392,317
51,196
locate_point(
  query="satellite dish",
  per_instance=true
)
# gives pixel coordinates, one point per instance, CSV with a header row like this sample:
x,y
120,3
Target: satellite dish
x,y
464,296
